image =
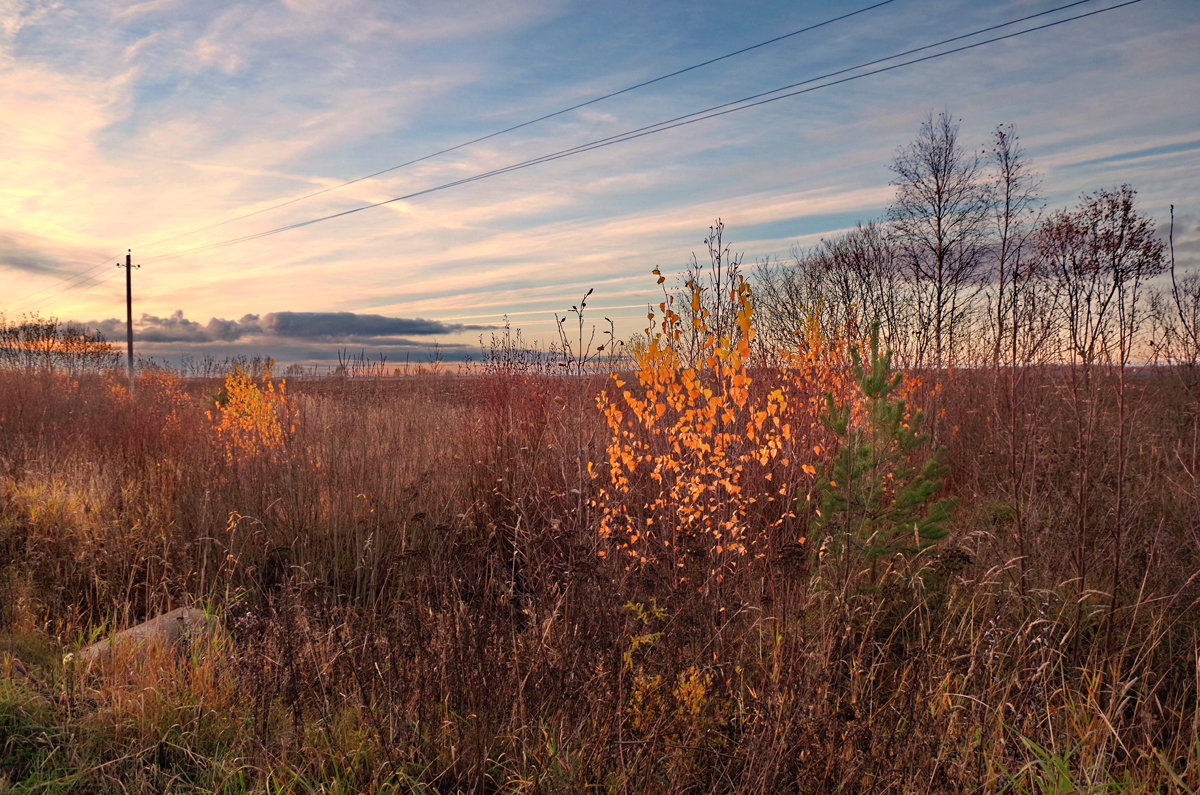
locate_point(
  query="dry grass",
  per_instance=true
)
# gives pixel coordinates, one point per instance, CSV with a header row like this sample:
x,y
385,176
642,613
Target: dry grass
x,y
415,600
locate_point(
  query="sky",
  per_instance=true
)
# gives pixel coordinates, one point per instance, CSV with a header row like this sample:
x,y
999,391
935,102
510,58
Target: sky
x,y
172,128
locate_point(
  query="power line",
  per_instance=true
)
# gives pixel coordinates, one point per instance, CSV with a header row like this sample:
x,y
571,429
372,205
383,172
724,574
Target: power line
x,y
72,280
83,278
745,103
528,123
80,281
86,280
715,111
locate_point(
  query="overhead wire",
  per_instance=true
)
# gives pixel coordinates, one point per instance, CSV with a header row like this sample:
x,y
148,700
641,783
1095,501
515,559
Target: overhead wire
x,y
84,280
40,297
528,123
745,103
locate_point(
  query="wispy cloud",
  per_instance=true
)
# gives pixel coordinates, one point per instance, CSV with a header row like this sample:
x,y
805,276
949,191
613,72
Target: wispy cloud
x,y
28,255
184,114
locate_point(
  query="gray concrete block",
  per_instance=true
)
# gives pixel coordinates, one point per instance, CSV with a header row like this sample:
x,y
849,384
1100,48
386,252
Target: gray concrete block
x,y
173,630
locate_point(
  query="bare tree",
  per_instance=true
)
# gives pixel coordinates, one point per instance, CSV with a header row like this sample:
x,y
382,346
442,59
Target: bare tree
x,y
1014,217
1101,254
846,283
782,300
1177,316
1020,322
712,306
37,343
940,215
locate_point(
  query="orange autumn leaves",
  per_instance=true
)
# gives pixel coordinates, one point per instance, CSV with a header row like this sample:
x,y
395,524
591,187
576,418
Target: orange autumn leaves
x,y
712,438
254,417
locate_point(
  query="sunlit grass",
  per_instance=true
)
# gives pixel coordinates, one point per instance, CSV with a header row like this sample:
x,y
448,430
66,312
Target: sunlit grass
x,y
421,588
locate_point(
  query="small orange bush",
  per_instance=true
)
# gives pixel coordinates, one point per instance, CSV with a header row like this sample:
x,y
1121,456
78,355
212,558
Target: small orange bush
x,y
702,460
254,419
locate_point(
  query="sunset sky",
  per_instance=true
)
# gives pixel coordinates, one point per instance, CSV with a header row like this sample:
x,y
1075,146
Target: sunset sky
x,y
143,124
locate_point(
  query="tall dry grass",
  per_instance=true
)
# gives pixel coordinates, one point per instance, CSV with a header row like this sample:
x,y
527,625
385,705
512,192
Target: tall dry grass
x,y
411,577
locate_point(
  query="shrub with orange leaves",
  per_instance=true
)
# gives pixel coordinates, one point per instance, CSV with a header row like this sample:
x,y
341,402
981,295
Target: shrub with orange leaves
x,y
254,418
707,449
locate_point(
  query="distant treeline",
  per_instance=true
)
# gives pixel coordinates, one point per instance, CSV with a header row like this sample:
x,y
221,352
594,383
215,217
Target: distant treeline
x,y
35,343
969,267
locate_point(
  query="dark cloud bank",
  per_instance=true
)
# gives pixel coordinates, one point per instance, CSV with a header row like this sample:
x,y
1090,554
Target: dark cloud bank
x,y
311,336
332,327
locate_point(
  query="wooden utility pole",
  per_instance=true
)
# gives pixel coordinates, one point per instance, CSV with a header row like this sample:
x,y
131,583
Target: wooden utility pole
x,y
129,266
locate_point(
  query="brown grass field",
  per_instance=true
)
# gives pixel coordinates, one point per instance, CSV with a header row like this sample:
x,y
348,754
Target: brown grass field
x,y
498,583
